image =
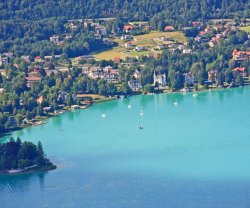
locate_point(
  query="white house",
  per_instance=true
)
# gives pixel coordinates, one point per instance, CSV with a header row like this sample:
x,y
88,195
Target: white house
x,y
139,48
187,51
160,79
135,85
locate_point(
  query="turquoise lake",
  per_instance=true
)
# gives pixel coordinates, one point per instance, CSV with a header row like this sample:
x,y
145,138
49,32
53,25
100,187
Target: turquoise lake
x,y
191,155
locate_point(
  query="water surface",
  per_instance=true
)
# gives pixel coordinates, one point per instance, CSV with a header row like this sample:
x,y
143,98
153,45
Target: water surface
x,y
194,154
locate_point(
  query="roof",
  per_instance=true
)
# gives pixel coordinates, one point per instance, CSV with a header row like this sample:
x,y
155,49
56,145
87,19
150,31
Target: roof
x,y
117,59
169,28
202,33
238,69
128,27
197,24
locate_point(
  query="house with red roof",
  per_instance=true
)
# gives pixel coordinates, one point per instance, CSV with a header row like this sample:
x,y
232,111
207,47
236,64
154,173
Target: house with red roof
x,y
240,55
197,24
169,28
38,59
32,80
117,60
128,28
128,45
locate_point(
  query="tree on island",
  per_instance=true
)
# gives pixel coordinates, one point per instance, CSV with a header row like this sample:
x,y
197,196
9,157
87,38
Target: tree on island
x,y
19,155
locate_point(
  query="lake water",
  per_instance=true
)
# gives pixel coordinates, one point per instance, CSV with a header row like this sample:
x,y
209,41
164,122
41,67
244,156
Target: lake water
x,y
191,155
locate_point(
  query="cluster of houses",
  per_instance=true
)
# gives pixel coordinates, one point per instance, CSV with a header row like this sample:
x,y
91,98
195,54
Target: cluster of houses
x,y
99,29
221,29
107,73
132,26
60,39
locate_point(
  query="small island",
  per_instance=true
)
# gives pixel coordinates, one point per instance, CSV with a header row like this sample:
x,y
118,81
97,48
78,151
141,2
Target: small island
x,y
18,157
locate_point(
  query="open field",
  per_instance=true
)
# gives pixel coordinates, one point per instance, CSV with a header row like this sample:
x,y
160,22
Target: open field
x,y
110,54
246,29
147,40
177,36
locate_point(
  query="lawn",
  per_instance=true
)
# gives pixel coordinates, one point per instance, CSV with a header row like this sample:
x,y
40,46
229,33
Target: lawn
x,y
246,29
177,36
140,40
110,54
145,42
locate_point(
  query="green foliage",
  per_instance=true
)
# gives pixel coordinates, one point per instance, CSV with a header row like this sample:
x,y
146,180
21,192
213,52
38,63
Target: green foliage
x,y
18,154
148,88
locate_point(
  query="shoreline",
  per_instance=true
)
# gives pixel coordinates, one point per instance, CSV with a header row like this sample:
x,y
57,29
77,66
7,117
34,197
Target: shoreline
x,y
31,169
42,120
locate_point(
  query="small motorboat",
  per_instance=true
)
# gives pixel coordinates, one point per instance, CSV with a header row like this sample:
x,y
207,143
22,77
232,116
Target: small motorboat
x,y
140,127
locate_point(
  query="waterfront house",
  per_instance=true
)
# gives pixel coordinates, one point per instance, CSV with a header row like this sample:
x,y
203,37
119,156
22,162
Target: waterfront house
x,y
160,79
189,78
213,76
135,85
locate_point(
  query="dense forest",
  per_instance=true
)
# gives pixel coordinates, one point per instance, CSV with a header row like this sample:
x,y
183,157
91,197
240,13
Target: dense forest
x,y
26,25
127,9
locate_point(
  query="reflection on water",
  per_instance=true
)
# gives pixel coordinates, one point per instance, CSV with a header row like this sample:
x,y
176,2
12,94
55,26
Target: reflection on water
x,y
21,183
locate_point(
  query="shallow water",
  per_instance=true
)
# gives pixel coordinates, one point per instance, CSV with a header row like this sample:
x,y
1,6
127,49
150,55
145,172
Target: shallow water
x,y
194,154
